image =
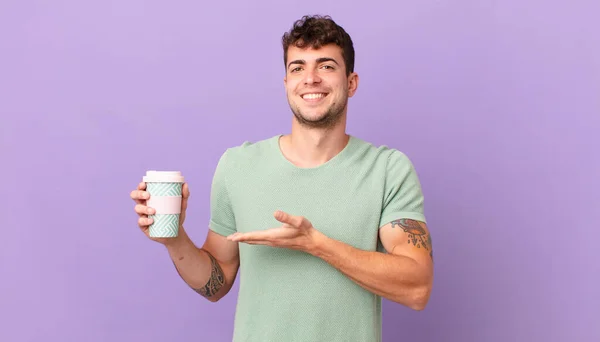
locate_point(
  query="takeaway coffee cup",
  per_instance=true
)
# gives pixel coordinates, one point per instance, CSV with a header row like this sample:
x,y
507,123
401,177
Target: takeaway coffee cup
x,y
165,197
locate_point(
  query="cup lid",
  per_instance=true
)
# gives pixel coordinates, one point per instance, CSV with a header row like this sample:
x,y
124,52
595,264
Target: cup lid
x,y
163,176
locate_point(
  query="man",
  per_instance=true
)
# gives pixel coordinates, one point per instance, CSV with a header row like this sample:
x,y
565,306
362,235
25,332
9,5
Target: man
x,y
320,223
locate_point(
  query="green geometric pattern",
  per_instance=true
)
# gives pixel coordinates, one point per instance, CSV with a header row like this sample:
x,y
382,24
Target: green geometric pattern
x,y
164,225
164,189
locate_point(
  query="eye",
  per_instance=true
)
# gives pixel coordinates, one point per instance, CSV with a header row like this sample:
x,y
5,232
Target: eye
x,y
295,69
328,67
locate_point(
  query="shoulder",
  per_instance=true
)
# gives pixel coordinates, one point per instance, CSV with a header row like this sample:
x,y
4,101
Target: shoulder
x,y
247,152
383,155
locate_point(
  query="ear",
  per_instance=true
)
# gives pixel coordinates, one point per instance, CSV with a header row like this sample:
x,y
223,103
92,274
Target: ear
x,y
352,84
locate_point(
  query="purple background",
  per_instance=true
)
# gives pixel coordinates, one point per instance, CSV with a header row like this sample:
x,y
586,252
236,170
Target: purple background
x,y
496,102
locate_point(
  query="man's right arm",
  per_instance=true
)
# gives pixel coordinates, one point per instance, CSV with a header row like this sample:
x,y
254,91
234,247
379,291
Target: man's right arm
x,y
210,270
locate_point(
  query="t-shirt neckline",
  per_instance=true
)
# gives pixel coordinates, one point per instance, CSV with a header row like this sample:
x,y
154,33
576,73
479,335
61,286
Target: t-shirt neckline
x,y
339,157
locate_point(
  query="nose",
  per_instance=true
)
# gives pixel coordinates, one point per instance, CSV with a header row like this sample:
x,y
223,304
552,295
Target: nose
x,y
311,77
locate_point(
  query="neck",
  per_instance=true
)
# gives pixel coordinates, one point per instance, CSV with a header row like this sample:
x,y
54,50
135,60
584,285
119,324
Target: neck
x,y
311,147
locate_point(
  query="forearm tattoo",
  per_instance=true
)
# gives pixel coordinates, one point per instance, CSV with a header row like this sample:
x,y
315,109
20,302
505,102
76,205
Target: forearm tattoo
x,y
215,282
417,235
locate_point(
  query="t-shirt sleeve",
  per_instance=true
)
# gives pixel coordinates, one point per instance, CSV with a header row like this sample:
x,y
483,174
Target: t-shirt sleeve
x,y
222,220
403,197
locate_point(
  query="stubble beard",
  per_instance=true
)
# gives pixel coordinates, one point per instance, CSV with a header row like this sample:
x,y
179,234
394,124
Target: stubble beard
x,y
332,116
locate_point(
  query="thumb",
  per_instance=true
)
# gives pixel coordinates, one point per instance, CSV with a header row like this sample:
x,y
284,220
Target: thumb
x,y
185,191
284,217
185,194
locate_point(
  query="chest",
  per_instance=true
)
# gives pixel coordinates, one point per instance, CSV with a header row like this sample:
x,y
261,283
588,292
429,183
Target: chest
x,y
343,207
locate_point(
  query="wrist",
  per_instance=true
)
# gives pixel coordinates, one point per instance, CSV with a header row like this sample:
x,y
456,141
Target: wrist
x,y
318,242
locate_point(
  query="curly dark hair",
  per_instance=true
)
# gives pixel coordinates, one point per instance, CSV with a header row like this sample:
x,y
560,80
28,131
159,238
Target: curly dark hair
x,y
315,31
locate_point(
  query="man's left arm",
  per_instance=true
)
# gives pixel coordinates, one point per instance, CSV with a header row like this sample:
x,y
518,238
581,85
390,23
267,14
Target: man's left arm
x,y
404,274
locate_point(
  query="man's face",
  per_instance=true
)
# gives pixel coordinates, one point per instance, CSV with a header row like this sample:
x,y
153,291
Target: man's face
x,y
317,86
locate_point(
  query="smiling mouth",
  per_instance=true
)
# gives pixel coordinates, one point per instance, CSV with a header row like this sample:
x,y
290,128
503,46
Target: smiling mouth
x,y
313,96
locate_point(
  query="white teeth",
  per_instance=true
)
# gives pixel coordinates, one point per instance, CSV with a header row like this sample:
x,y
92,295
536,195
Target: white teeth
x,y
313,96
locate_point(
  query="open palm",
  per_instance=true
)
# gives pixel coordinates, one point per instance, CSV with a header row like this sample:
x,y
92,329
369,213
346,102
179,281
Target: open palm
x,y
295,233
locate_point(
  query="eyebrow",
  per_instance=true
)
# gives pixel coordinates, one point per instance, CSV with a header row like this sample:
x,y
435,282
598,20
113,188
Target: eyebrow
x,y
319,60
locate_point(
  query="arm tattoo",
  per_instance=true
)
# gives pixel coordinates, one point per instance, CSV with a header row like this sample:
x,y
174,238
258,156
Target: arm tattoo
x,y
215,282
416,234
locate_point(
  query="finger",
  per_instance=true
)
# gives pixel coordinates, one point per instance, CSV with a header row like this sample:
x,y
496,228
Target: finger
x,y
185,191
135,194
250,236
144,222
141,209
260,242
284,217
139,196
185,194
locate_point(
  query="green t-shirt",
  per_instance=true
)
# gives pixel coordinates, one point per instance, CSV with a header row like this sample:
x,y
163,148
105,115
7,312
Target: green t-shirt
x,y
287,295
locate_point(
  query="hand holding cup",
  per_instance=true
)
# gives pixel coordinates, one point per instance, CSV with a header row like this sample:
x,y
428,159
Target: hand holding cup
x,y
161,202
